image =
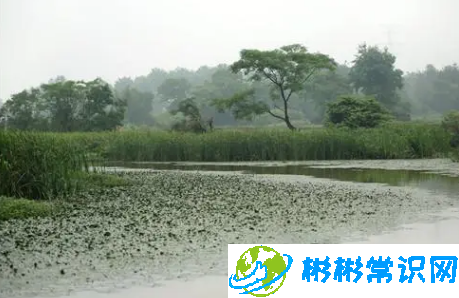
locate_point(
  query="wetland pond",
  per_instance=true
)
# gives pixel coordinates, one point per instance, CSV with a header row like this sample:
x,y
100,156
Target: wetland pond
x,y
428,180
167,235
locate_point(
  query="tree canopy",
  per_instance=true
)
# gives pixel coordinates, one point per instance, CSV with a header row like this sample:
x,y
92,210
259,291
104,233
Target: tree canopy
x,y
65,105
262,87
374,73
286,70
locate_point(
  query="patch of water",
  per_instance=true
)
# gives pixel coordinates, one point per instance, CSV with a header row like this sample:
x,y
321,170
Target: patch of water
x,y
440,228
203,287
430,181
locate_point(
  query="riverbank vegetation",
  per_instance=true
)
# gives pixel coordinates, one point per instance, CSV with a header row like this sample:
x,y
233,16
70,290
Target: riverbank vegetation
x,y
53,133
47,165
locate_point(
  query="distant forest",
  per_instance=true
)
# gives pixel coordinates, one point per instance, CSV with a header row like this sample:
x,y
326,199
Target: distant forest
x,y
150,98
426,94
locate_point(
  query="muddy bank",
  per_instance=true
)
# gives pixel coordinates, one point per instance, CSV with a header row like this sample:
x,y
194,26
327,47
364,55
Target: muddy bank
x,y
178,224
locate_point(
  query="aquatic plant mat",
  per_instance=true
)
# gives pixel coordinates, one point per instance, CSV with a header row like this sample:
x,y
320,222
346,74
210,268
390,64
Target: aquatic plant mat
x,y
175,224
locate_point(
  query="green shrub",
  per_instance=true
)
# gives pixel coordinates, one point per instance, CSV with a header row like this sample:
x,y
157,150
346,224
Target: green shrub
x,y
13,208
356,111
38,165
450,123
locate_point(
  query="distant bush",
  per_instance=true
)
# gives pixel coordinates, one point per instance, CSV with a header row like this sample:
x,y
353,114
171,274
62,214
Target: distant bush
x,y
192,120
356,111
450,123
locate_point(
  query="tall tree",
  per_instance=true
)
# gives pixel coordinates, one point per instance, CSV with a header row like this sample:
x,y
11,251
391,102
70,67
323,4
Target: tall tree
x,y
139,106
223,84
22,111
174,89
326,87
286,69
63,105
433,91
374,73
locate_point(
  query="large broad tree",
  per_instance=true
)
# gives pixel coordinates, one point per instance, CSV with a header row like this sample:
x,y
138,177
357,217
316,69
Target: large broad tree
x,y
434,90
286,70
174,89
323,89
222,84
65,105
139,106
374,74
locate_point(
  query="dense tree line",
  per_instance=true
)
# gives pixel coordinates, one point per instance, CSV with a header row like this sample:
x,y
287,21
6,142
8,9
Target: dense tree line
x,y
65,105
284,85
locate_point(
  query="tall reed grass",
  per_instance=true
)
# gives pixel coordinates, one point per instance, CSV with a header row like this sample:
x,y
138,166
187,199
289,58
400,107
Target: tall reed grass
x,y
392,141
38,165
43,165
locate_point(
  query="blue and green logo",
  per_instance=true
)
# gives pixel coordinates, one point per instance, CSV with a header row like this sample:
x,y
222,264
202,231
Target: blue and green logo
x,y
260,271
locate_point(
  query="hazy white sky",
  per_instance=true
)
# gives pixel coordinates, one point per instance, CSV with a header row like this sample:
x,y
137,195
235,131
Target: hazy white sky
x,y
84,39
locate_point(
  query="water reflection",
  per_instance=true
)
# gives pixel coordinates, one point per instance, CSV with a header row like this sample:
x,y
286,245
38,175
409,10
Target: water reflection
x,y
420,179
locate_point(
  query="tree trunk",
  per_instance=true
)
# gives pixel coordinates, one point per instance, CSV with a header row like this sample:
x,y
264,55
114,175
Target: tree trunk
x,y
286,117
289,124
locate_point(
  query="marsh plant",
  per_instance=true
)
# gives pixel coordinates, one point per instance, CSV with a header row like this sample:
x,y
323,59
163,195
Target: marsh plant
x,y
45,165
451,124
38,166
389,141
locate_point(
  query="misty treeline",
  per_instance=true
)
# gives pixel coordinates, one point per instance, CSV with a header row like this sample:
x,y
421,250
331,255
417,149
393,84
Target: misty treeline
x,y
287,85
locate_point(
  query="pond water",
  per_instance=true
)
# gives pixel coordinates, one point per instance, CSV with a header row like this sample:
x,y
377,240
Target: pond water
x,y
437,228
409,178
442,231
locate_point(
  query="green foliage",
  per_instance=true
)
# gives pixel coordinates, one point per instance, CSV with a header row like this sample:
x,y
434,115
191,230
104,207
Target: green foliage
x,y
100,180
433,90
38,166
427,94
325,87
222,84
286,70
450,124
139,106
390,141
242,105
192,121
13,208
374,74
65,106
174,89
356,111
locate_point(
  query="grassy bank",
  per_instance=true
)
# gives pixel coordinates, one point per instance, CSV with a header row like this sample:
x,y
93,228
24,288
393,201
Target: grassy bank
x,y
44,165
14,208
413,140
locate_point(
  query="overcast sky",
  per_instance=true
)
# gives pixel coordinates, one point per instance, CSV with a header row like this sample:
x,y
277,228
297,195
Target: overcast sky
x,y
84,39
